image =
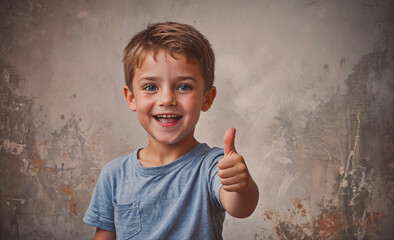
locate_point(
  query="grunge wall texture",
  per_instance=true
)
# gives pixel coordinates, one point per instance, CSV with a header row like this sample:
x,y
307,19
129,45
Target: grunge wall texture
x,y
309,85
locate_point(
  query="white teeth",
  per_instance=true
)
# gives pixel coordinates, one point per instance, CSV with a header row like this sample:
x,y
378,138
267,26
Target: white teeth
x,y
166,116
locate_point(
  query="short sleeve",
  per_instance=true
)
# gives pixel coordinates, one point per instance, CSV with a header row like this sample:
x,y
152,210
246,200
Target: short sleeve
x,y
214,180
100,212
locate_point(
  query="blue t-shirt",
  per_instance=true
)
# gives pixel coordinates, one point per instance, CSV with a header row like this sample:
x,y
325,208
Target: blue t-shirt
x,y
179,200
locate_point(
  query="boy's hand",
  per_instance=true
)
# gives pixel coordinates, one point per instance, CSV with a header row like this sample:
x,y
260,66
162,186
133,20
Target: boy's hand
x,y
233,172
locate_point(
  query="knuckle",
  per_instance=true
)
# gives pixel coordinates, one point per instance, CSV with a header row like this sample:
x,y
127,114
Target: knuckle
x,y
242,177
220,173
242,167
240,158
220,164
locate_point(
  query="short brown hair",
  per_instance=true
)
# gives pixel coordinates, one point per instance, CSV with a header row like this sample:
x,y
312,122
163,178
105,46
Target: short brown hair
x,y
173,37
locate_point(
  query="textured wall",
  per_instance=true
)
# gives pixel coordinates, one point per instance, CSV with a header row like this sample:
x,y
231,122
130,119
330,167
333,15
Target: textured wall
x,y
308,84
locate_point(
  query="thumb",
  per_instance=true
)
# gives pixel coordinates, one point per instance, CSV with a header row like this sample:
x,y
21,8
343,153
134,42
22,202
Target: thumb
x,y
228,141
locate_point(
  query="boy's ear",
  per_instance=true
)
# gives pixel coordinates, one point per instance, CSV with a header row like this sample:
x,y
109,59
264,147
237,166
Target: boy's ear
x,y
208,99
129,98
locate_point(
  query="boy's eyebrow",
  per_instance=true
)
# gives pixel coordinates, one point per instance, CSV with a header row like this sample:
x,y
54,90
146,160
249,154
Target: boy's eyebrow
x,y
149,78
180,78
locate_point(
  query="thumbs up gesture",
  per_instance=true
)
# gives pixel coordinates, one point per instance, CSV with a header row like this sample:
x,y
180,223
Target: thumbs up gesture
x,y
233,172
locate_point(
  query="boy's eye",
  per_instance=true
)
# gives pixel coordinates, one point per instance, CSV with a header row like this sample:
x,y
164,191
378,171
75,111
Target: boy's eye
x,y
184,87
150,87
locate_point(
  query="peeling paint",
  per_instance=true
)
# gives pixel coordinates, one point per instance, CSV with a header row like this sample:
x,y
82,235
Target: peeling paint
x,y
12,147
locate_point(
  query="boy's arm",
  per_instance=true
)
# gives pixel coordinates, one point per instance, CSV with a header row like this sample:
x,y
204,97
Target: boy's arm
x,y
104,235
239,194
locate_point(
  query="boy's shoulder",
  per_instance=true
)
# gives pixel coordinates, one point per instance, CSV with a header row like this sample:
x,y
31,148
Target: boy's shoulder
x,y
204,152
118,164
120,160
211,155
213,152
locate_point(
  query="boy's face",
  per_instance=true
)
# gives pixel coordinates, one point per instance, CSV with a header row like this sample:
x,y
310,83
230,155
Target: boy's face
x,y
168,95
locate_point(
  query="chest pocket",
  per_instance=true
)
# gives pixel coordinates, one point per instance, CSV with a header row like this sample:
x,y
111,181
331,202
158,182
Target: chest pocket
x,y
127,220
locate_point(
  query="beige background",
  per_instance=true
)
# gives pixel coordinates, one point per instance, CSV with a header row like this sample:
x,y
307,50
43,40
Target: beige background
x,y
308,85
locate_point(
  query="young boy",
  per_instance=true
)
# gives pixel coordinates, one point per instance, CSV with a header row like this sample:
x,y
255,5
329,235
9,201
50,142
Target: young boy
x,y
175,187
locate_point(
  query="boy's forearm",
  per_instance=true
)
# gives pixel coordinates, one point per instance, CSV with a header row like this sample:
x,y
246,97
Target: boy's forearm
x,y
104,235
240,204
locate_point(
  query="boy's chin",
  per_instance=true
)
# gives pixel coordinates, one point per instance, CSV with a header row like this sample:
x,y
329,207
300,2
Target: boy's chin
x,y
165,140
174,140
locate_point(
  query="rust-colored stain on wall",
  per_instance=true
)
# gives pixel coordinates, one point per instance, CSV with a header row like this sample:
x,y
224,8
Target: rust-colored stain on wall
x,y
72,203
308,84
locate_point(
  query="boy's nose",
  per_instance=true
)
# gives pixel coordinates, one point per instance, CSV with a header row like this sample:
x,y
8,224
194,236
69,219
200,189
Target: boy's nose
x,y
167,98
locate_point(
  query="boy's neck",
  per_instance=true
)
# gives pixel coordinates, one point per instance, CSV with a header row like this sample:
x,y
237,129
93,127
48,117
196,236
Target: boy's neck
x,y
157,154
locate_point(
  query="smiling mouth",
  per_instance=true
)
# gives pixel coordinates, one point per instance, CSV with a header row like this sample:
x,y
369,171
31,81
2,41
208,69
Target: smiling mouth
x,y
167,118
